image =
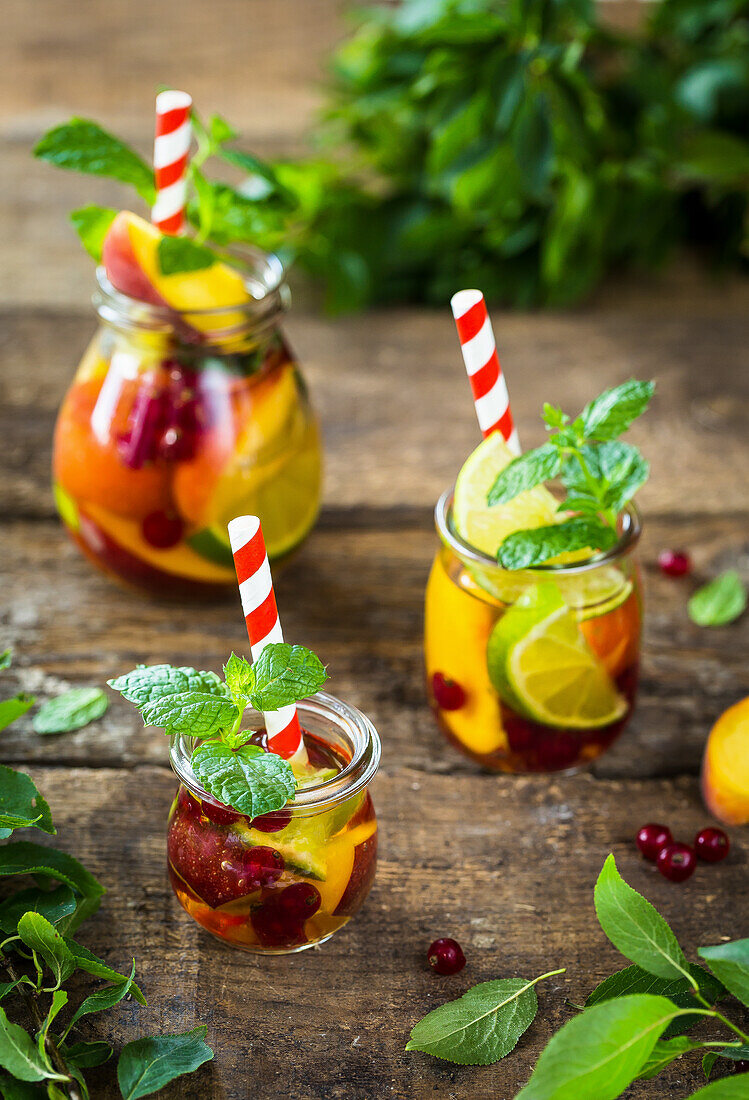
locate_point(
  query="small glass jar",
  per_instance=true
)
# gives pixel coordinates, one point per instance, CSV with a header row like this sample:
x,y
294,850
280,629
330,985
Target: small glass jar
x,y
177,422
535,670
288,880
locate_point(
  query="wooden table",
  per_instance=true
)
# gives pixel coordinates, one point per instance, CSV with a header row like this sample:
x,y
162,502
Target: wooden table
x,y
504,865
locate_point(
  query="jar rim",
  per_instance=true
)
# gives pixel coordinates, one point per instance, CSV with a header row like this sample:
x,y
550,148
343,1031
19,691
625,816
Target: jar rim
x,y
360,734
630,529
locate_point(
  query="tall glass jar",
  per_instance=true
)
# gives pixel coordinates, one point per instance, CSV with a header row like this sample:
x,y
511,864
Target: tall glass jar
x,y
536,670
288,880
177,422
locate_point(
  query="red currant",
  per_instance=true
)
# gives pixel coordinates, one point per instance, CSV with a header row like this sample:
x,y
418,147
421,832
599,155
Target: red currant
x,y
274,929
652,838
301,900
219,815
162,529
272,822
676,862
264,865
445,956
448,694
711,845
674,563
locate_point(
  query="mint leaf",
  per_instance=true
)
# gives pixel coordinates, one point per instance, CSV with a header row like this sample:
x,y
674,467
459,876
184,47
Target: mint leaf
x,y
554,417
43,938
146,1065
633,979
524,472
86,1055
6,659
21,857
727,1088
92,223
612,412
147,683
630,474
179,700
523,549
596,1055
71,711
21,805
179,254
285,674
19,1055
247,779
83,146
240,677
480,1027
635,927
735,1054
103,999
52,904
219,130
92,964
730,963
719,602
10,709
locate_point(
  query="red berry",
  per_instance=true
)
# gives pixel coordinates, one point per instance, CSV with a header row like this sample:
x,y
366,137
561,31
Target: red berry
x,y
275,928
448,694
652,838
272,822
674,563
711,845
264,865
302,900
162,529
220,815
445,956
676,862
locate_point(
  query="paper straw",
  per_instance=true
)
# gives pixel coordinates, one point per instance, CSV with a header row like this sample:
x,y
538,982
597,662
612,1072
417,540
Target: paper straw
x,y
170,156
482,364
263,625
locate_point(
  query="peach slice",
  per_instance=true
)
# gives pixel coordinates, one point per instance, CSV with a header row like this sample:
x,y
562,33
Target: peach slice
x,y
725,766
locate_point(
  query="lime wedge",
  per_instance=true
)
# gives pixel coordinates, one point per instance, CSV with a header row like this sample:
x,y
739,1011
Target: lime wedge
x,y
212,543
541,665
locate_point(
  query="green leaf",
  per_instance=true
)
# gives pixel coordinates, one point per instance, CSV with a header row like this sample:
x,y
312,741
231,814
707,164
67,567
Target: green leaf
x,y
8,987
86,1055
522,549
92,964
181,700
730,962
52,904
708,1061
19,1055
10,709
219,130
92,223
727,1088
146,1065
43,938
247,779
59,1000
11,1089
734,1054
285,674
104,999
480,1027
627,471
71,711
524,472
633,979
6,659
179,254
663,1054
240,677
635,927
719,602
83,146
254,166
21,805
148,683
596,1055
554,417
533,144
21,857
612,412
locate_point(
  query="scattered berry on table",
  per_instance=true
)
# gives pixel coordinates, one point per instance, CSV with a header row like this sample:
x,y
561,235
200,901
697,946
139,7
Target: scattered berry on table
x,y
676,862
445,956
674,563
711,845
652,838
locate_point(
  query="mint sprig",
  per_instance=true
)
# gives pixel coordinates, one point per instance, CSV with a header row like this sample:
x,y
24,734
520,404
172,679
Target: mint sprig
x,y
600,473
83,146
199,704
719,602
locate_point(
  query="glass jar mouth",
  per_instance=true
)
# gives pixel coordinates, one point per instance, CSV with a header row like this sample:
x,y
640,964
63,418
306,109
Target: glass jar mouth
x,y
340,724
265,281
629,525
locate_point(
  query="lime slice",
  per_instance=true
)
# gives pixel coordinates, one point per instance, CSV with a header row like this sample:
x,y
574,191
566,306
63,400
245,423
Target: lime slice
x,y
486,528
541,665
212,543
66,507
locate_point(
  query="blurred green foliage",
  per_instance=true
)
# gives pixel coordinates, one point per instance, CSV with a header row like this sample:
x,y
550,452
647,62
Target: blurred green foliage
x,y
519,146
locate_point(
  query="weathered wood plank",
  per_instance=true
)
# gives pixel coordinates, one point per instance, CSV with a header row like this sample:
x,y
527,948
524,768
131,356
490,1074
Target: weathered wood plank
x,y
355,594
511,880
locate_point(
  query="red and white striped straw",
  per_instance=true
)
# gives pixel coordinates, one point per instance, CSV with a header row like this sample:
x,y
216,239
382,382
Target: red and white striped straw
x,y
263,625
479,349
170,156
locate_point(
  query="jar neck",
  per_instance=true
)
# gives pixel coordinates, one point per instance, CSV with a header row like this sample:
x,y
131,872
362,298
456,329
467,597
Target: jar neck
x,y
347,731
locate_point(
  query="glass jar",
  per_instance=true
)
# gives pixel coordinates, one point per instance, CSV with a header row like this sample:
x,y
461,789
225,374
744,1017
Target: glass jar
x,y
177,422
290,879
535,670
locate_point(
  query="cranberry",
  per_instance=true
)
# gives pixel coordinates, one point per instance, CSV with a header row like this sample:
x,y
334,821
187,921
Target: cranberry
x,y
177,445
276,929
162,529
652,838
711,845
137,446
219,815
264,865
674,563
448,694
300,901
676,862
445,956
272,822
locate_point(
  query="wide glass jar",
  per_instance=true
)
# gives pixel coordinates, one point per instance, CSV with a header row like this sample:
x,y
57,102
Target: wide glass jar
x,y
288,880
536,670
177,422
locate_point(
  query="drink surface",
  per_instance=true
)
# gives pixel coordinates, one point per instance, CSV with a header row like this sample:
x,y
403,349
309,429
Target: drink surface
x,y
280,883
